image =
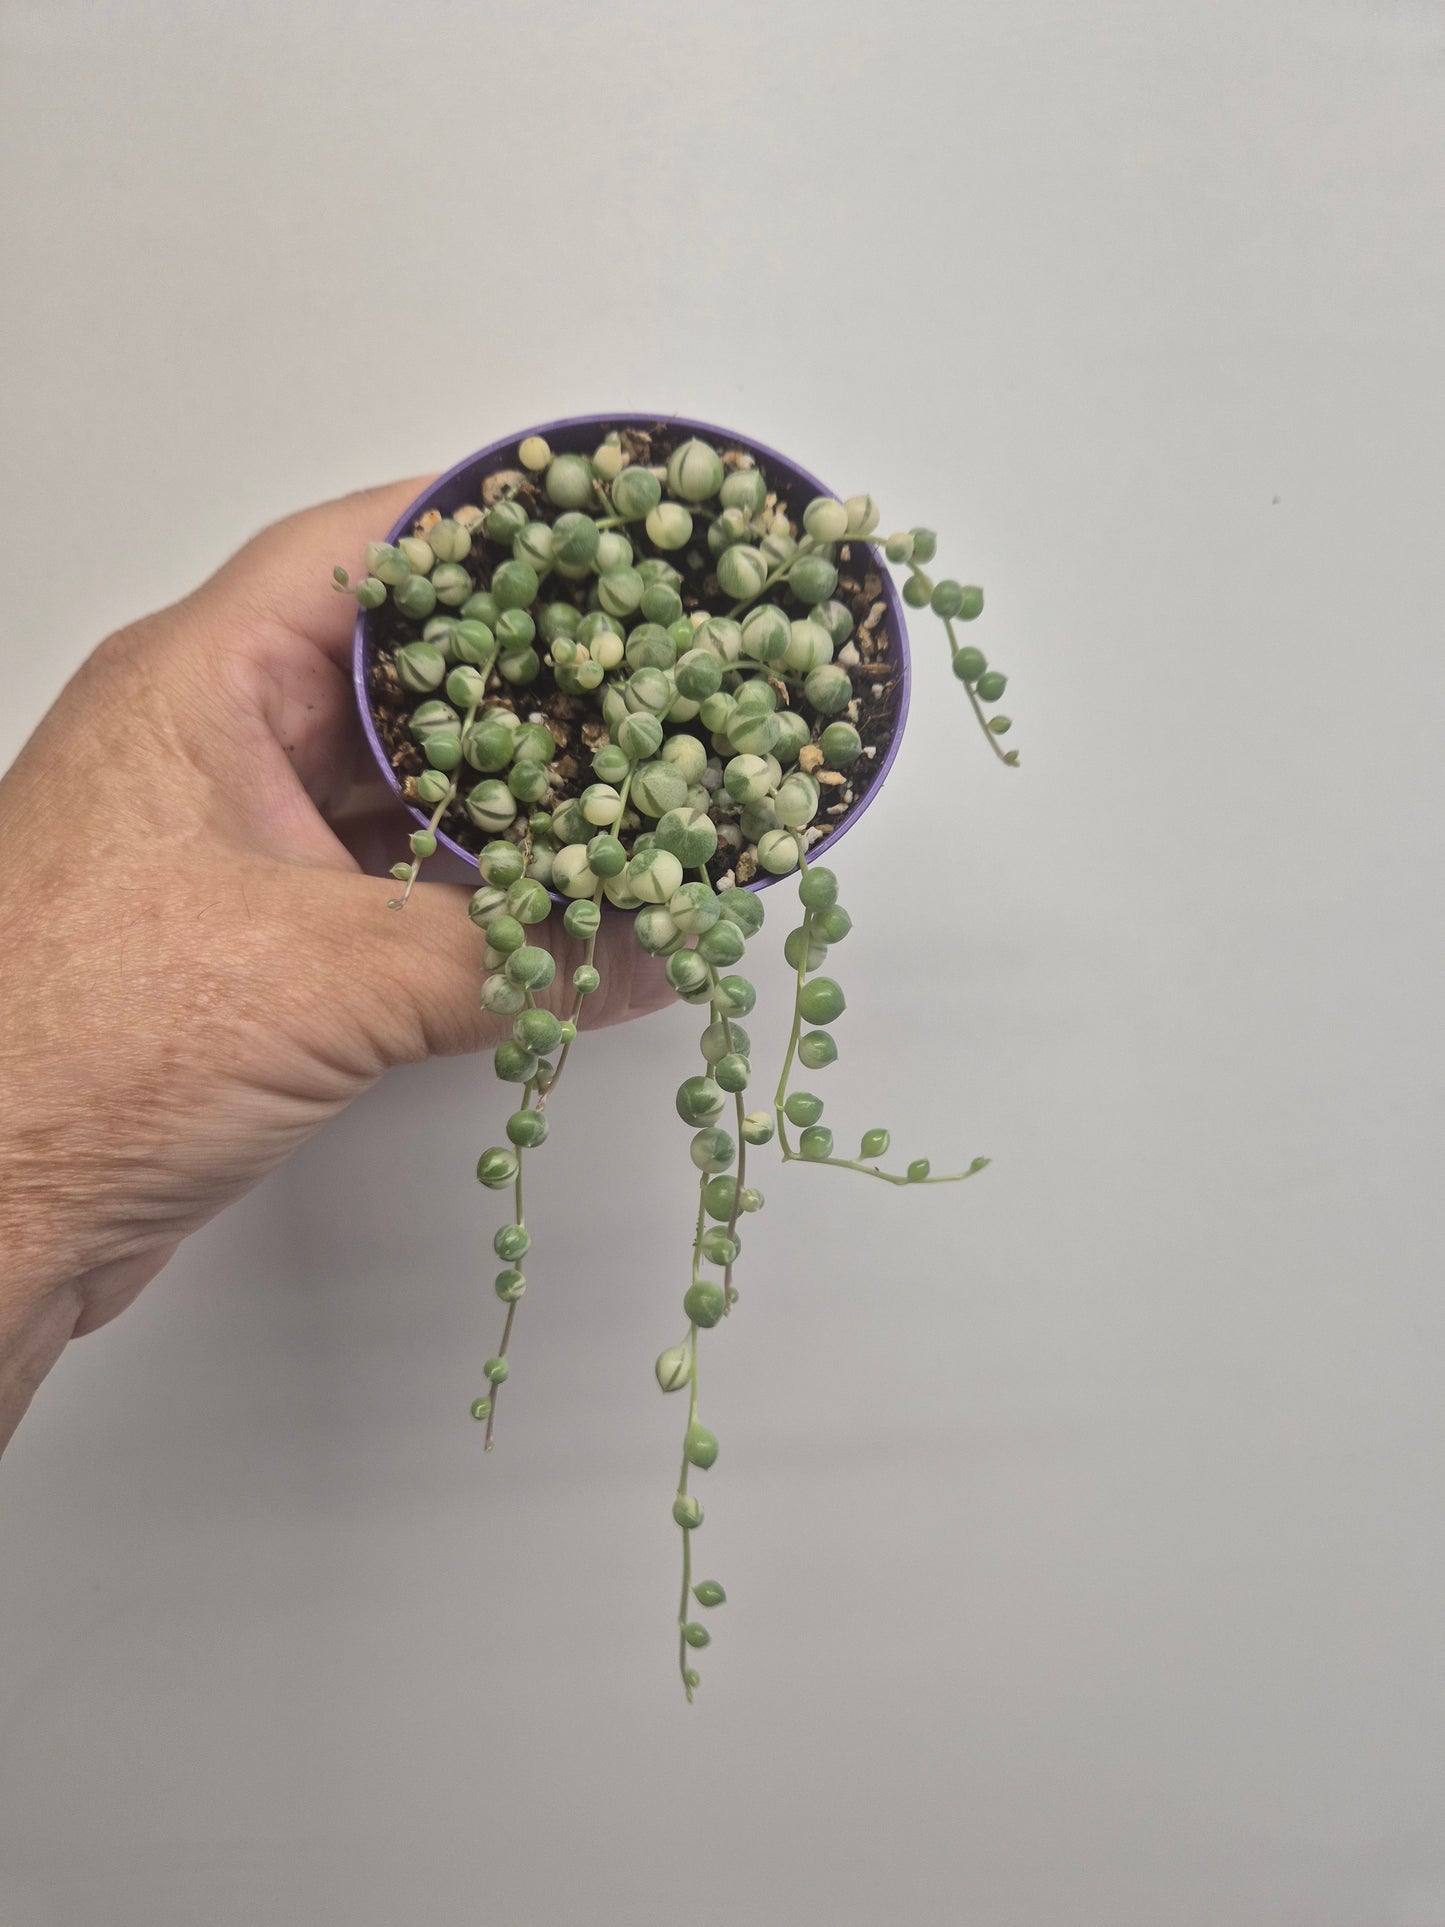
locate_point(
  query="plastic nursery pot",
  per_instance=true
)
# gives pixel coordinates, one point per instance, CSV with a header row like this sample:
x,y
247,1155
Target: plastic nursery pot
x,y
580,434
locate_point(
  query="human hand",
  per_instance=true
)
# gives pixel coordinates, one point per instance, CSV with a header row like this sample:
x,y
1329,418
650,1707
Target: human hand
x,y
196,972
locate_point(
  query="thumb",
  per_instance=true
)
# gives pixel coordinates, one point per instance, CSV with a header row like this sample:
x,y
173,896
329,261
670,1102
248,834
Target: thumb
x,y
281,579
389,986
408,983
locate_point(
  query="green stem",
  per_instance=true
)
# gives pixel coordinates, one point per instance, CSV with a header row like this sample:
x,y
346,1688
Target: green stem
x,y
698,1230
805,547
591,951
780,1096
400,903
719,1016
729,1296
954,646
682,1647
691,1421
790,1156
520,1218
534,1089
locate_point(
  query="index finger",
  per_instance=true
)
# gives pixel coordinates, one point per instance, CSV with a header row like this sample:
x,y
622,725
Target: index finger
x,y
282,576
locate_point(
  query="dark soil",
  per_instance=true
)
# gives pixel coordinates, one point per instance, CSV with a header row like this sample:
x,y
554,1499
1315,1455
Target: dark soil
x,y
577,724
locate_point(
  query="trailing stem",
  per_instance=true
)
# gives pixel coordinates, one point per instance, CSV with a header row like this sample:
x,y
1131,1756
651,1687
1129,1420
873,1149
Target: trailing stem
x,y
519,1218
427,838
815,1144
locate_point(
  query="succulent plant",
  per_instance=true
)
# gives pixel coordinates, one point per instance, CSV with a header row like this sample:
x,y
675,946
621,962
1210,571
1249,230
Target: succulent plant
x,y
703,627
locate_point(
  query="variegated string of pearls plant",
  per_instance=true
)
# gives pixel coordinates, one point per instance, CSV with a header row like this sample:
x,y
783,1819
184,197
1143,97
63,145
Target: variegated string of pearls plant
x,y
717,733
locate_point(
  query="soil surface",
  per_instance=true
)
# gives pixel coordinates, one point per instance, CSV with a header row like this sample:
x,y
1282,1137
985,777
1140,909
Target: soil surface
x,y
577,723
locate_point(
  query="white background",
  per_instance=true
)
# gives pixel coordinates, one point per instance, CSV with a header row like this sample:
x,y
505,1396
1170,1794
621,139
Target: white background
x,y
1083,1527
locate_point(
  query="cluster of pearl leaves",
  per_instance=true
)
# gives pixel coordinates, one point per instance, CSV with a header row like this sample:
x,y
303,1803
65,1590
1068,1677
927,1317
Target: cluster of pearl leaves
x,y
720,732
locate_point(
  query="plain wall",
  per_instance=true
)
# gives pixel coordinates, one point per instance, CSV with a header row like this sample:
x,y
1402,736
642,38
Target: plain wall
x,y
1082,1526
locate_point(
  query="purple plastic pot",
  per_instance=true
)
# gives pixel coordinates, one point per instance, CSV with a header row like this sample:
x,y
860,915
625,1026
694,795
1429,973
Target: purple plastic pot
x,y
580,434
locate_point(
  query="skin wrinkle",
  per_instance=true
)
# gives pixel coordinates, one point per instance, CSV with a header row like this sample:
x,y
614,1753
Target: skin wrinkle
x,y
199,974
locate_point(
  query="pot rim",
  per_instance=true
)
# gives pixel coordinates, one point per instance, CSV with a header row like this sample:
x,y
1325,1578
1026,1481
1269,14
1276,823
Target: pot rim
x,y
447,492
